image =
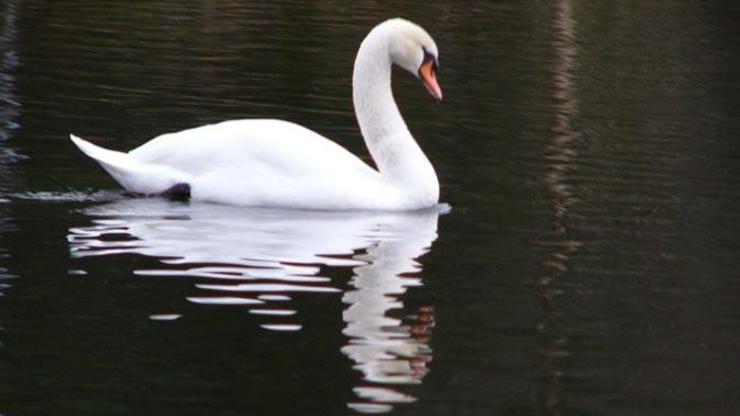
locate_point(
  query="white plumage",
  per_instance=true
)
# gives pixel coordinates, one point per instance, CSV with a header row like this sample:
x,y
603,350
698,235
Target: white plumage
x,y
276,163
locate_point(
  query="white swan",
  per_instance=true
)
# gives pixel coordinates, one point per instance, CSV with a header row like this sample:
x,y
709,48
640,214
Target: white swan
x,y
276,163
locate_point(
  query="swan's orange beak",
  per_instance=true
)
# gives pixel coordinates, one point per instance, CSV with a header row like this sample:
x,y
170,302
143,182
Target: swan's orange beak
x,y
429,78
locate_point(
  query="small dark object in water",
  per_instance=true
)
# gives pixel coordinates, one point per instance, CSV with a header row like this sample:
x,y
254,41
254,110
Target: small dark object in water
x,y
178,192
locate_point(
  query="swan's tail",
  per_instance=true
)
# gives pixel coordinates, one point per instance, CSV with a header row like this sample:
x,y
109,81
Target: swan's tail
x,y
132,174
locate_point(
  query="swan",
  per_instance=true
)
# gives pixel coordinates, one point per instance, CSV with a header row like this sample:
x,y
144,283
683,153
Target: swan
x,y
277,163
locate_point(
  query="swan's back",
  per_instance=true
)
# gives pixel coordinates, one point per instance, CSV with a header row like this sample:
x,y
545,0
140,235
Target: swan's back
x,y
287,145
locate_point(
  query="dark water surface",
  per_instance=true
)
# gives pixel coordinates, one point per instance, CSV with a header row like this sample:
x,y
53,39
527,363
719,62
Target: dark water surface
x,y
589,263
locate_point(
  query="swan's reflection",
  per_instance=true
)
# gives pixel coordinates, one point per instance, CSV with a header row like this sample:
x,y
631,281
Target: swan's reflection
x,y
260,257
388,350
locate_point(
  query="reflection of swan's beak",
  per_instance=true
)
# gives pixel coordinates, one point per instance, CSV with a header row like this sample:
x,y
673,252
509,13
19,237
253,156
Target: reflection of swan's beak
x,y
429,77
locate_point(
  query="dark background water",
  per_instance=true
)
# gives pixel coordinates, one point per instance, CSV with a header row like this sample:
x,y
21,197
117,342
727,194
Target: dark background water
x,y
589,264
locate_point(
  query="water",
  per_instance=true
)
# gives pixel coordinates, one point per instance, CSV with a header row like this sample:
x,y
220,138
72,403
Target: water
x,y
587,265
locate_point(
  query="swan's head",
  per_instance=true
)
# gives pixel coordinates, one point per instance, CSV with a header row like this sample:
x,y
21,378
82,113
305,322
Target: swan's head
x,y
414,50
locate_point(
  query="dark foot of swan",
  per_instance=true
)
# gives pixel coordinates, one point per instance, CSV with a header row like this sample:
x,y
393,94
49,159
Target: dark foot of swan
x,y
179,192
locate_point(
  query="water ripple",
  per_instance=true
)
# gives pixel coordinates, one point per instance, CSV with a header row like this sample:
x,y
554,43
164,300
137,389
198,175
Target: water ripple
x,y
259,259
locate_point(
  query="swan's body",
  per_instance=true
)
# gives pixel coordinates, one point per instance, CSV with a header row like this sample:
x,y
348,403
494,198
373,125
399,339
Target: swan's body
x,y
281,164
250,162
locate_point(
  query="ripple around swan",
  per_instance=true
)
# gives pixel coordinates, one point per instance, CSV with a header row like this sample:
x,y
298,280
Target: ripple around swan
x,y
259,259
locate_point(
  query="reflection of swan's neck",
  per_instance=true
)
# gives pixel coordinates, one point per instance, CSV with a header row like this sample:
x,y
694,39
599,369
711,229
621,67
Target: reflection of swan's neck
x,y
379,344
396,153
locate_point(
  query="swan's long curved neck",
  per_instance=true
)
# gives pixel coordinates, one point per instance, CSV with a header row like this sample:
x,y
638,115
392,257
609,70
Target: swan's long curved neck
x,y
397,155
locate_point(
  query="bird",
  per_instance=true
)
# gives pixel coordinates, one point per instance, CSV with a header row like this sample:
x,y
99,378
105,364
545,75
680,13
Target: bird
x,y
281,164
